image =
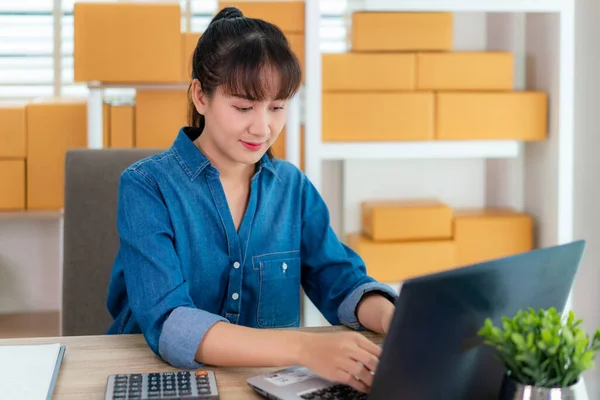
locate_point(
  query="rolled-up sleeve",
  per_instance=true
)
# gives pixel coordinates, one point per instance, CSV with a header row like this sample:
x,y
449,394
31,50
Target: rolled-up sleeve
x,y
334,276
347,310
158,293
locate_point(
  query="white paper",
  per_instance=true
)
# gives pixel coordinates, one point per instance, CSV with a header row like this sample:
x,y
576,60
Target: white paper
x,y
26,371
289,377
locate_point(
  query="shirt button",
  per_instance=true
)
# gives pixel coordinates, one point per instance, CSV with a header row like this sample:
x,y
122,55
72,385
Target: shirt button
x,y
236,265
235,296
284,266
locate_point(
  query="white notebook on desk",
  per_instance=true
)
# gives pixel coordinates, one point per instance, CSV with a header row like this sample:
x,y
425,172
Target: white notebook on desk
x,y
29,371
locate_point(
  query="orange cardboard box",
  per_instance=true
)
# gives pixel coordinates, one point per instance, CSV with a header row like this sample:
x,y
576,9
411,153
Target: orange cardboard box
x,y
501,115
288,15
122,126
368,71
278,148
53,127
401,31
398,261
189,40
13,138
159,115
127,42
296,41
12,185
465,71
406,220
360,116
487,234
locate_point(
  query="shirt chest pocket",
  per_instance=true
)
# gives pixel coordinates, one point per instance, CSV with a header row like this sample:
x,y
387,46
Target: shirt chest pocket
x,y
279,292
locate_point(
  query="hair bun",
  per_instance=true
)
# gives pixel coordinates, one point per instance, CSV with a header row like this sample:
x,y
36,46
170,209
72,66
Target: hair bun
x,y
228,13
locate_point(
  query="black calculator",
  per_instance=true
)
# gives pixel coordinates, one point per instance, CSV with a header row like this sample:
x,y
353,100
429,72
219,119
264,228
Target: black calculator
x,y
182,385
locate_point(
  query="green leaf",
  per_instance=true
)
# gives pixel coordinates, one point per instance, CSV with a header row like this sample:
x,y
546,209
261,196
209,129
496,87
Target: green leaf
x,y
519,340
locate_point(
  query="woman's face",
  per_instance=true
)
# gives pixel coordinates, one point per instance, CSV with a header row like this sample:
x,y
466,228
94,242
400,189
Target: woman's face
x,y
239,129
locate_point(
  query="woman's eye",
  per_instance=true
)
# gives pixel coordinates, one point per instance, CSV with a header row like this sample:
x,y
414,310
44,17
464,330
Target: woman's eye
x,y
243,109
278,108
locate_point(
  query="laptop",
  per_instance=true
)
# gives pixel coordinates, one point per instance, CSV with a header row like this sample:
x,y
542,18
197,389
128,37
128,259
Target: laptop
x,y
432,350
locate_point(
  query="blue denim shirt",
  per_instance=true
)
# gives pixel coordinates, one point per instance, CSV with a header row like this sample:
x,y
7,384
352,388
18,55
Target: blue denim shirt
x,y
182,266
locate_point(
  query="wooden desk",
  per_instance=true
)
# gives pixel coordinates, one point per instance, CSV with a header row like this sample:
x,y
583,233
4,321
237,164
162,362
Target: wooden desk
x,y
90,359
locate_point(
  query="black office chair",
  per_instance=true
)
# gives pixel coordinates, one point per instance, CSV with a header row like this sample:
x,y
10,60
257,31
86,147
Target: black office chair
x,y
90,235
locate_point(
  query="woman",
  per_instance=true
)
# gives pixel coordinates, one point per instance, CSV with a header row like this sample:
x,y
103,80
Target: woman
x,y
217,237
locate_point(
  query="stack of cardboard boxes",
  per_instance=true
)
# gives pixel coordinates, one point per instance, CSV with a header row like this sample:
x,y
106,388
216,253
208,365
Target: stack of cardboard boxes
x,y
34,138
401,81
13,151
110,48
405,239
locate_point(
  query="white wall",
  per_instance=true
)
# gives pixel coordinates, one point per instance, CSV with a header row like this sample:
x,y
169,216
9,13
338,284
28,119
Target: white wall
x,y
30,270
586,298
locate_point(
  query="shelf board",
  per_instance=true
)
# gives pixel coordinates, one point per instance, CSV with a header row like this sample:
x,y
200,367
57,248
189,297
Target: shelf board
x,y
419,150
138,85
463,5
30,215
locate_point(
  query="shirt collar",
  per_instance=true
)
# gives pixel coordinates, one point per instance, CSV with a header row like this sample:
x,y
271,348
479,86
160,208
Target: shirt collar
x,y
193,161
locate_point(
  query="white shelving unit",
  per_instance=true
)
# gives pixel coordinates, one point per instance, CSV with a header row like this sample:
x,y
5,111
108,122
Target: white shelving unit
x,y
419,150
535,177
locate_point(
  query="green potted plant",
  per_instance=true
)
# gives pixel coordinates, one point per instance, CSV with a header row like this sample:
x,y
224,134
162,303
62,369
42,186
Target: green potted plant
x,y
542,353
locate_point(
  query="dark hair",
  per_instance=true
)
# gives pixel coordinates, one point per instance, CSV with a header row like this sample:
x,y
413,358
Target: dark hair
x,y
236,52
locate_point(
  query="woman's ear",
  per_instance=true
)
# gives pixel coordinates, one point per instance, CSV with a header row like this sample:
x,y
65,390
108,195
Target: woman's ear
x,y
198,97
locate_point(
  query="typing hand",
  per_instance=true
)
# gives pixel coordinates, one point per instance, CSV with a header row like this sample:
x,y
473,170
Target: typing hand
x,y
348,358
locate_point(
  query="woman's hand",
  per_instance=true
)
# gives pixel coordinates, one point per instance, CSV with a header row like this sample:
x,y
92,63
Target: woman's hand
x,y
348,358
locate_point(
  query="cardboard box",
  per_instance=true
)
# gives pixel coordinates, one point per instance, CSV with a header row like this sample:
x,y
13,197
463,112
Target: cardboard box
x,y
53,127
286,14
122,126
13,138
159,115
406,220
12,185
278,148
507,115
465,71
401,31
487,234
377,116
189,40
296,41
368,71
398,261
127,42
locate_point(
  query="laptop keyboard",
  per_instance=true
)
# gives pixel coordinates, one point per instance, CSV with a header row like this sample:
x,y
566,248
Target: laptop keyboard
x,y
336,392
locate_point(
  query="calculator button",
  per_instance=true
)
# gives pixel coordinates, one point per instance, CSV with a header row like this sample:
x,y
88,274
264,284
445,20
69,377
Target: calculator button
x,y
119,396
169,393
183,373
201,373
203,391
